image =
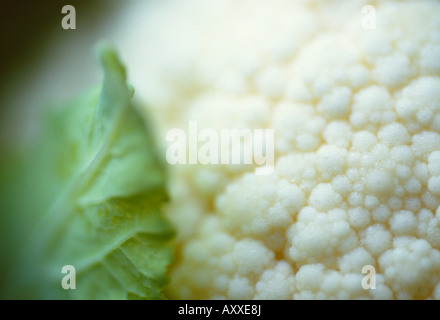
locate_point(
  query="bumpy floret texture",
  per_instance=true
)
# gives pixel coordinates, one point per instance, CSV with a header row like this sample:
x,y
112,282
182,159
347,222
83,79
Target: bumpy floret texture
x,y
356,116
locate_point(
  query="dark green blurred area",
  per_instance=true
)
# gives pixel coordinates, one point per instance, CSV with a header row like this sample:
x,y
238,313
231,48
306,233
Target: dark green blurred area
x,y
41,62
26,26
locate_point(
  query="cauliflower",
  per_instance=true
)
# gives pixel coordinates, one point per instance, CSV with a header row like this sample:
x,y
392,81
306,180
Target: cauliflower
x,y
356,116
352,92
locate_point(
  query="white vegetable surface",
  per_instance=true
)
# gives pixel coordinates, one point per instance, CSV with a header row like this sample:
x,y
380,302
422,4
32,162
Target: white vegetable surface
x,y
356,114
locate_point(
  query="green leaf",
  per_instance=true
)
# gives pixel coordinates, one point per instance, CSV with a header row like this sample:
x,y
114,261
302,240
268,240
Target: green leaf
x,y
92,192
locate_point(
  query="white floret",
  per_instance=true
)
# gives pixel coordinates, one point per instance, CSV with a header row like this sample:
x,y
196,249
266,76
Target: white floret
x,y
354,260
380,181
434,163
336,104
331,161
359,217
270,205
381,213
392,71
320,236
251,257
434,185
277,283
240,288
429,61
376,239
371,108
403,223
394,134
324,197
411,268
364,141
338,133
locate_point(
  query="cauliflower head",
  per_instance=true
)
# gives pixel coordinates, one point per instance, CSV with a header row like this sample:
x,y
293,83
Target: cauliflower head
x,y
352,91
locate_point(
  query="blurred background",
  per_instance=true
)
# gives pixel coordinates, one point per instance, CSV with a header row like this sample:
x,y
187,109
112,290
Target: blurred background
x,y
31,34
